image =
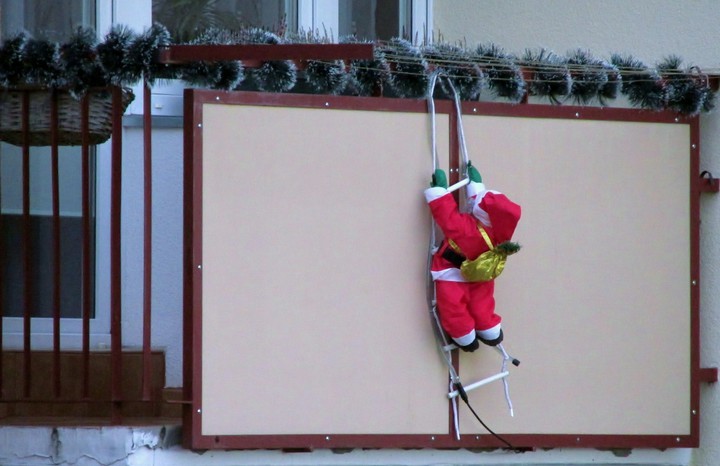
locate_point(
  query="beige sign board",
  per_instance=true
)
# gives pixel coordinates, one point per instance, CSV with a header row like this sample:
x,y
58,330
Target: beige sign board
x,y
315,240
597,303
314,256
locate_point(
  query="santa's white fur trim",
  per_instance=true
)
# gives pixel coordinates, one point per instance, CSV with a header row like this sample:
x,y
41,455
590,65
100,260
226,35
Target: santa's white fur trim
x,y
481,215
448,275
490,334
465,339
473,189
434,193
478,211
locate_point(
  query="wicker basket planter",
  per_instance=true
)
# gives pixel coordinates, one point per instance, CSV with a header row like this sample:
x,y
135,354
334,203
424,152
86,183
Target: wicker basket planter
x,y
69,116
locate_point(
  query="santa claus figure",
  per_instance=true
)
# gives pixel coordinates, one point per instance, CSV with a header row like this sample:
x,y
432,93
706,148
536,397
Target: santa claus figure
x,y
472,254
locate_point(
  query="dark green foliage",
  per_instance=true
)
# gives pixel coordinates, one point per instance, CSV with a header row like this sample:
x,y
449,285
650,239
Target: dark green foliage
x,y
319,76
398,69
368,77
643,86
12,68
504,76
688,90
80,62
549,75
457,68
326,77
611,88
42,64
114,55
270,76
508,247
709,103
215,75
143,55
274,76
588,74
408,67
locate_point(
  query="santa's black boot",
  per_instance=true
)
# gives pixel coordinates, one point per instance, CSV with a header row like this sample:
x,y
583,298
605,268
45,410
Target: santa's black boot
x,y
493,342
470,347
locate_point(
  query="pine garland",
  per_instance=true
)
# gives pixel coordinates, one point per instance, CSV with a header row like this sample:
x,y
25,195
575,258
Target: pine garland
x,y
398,69
143,54
81,64
114,55
588,74
457,65
368,77
321,76
214,75
504,76
550,76
326,77
688,92
270,76
12,60
409,68
612,86
42,64
643,86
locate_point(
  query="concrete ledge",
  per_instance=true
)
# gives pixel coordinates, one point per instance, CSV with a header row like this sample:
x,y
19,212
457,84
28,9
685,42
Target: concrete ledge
x,y
159,445
81,446
177,456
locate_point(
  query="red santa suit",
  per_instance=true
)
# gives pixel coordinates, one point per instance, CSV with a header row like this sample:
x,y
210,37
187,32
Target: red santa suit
x,y
467,309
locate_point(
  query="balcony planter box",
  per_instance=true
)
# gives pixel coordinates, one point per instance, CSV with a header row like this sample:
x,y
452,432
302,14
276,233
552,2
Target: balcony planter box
x,y
69,116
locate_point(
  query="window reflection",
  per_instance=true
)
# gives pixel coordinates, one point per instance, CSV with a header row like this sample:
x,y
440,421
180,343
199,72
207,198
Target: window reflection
x,y
374,19
49,19
186,19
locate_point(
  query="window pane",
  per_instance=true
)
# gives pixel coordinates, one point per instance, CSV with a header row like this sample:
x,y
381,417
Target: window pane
x,y
51,19
374,19
54,20
185,19
40,240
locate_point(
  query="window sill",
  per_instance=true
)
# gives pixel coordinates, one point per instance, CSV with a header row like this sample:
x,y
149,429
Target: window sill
x,y
157,121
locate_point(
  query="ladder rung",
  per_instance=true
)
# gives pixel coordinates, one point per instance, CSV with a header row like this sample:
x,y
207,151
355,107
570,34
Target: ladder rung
x,y
479,383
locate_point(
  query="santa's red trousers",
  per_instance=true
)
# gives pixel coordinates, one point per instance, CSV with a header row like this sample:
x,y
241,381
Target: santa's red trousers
x,y
466,306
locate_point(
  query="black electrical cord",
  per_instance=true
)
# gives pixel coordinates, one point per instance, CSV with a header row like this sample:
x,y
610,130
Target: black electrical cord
x,y
464,397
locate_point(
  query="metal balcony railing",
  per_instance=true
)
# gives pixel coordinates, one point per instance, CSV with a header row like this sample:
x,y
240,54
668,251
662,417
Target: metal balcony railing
x,y
33,117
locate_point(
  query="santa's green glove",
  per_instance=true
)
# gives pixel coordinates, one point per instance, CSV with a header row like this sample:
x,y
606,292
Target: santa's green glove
x,y
473,173
439,179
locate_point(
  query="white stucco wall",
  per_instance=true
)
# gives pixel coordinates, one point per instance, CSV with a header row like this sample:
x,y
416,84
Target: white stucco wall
x,y
167,238
649,30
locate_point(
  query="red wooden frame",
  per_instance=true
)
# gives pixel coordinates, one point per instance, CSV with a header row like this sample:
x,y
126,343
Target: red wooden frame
x,y
265,52
192,416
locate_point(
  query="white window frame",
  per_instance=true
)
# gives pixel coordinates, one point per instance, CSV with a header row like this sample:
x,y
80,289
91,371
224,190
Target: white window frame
x,y
321,15
71,328
313,15
136,14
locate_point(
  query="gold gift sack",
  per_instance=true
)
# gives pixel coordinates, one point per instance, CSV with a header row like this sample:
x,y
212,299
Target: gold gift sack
x,y
488,265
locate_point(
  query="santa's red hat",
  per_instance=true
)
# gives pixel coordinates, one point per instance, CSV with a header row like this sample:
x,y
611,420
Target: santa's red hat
x,y
494,210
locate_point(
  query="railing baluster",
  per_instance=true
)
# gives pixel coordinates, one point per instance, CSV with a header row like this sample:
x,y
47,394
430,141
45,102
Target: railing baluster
x,y
86,272
27,250
55,186
115,256
2,280
147,250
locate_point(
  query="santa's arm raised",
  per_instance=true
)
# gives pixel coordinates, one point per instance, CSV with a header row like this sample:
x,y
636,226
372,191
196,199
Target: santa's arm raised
x,y
444,209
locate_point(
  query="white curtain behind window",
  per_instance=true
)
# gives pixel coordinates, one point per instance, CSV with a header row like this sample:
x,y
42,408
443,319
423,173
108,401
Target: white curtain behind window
x,y
51,19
